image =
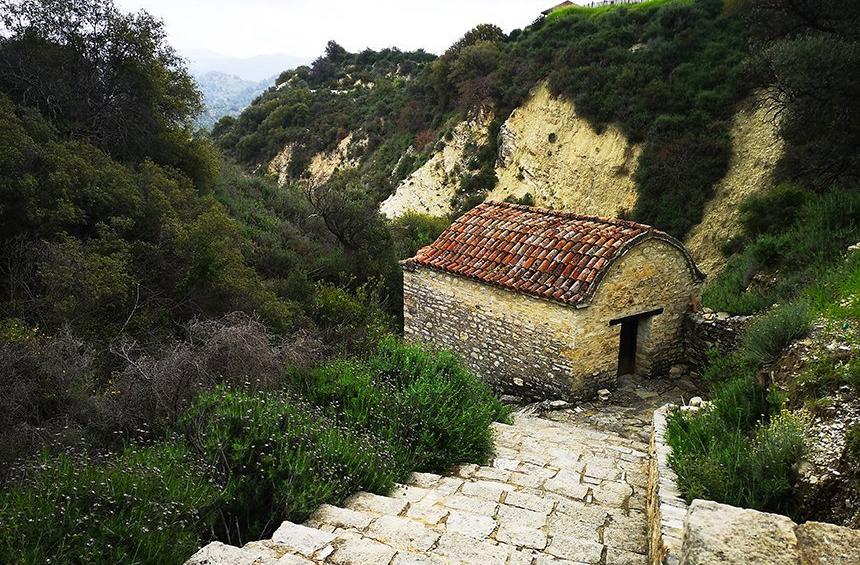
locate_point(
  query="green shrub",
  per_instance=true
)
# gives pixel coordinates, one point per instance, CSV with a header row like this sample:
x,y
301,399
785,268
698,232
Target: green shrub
x,y
143,505
449,410
715,460
430,409
773,211
794,258
769,335
355,320
412,231
280,458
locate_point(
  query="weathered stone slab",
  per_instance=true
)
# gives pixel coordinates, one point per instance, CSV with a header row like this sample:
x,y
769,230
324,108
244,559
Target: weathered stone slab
x,y
521,516
826,544
339,518
490,490
718,533
530,501
473,504
575,549
475,526
521,536
356,550
402,533
566,483
217,553
375,504
457,548
301,539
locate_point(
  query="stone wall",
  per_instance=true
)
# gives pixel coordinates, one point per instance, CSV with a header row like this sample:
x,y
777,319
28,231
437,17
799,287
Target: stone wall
x,y
666,508
707,532
704,332
718,533
540,349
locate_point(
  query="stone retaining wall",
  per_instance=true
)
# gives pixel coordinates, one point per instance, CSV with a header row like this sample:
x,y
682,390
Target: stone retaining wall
x,y
719,533
704,332
666,508
708,533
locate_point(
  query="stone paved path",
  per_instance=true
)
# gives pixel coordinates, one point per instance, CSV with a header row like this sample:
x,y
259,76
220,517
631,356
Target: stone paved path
x,y
556,492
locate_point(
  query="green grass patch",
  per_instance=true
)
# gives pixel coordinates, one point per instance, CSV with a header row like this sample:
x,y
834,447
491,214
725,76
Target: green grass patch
x,y
769,335
587,11
143,505
716,459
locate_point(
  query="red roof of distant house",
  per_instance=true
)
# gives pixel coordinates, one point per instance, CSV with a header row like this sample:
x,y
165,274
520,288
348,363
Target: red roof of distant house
x,y
554,255
564,4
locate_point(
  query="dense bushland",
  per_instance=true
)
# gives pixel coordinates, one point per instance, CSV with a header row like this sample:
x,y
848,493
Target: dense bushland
x,y
273,441
159,308
669,73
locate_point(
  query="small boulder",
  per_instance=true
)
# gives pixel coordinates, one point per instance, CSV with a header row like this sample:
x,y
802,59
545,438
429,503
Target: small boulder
x,y
603,394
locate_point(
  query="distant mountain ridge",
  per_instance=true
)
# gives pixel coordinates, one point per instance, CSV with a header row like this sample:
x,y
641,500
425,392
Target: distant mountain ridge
x,y
255,68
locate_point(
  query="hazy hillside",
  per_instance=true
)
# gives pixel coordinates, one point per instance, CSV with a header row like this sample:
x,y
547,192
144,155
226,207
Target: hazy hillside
x,y
226,95
255,68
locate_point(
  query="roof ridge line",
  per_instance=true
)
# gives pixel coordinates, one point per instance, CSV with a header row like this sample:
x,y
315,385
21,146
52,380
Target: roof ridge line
x,y
569,214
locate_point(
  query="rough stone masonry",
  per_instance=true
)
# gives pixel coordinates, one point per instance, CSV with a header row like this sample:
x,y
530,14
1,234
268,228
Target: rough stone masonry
x,y
544,346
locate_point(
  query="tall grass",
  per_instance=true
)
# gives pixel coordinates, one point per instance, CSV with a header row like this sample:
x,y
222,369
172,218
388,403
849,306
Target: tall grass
x,y
745,448
143,505
769,335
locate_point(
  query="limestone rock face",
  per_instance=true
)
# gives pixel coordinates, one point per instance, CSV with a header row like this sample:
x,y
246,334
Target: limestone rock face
x,y
756,149
323,165
547,150
429,189
279,166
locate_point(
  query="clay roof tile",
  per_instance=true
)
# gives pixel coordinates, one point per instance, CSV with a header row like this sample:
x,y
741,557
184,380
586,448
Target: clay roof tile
x,y
544,253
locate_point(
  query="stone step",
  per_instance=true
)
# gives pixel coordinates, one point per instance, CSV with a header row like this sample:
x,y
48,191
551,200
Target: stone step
x,y
552,494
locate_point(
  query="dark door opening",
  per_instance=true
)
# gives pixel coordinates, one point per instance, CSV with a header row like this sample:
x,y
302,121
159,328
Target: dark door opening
x,y
627,348
628,345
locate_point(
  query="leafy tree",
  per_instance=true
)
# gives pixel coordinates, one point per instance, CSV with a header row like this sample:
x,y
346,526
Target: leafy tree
x,y
809,52
97,73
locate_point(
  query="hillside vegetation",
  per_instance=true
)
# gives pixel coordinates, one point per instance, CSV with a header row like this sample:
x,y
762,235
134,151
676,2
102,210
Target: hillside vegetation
x,y
667,73
185,346
186,342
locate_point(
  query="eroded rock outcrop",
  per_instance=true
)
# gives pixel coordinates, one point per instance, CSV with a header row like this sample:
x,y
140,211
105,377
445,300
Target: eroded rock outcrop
x,y
279,167
345,155
547,150
756,150
429,189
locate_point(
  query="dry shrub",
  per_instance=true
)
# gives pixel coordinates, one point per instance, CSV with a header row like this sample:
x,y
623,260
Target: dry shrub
x,y
45,388
235,350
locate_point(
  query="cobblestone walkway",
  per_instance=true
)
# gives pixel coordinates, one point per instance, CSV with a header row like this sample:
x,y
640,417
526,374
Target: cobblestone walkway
x,y
556,492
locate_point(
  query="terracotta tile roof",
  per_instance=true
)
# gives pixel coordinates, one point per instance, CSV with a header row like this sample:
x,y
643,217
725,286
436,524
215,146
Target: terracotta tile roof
x,y
554,255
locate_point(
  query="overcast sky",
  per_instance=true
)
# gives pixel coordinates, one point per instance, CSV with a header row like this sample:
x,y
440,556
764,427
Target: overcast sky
x,y
243,28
